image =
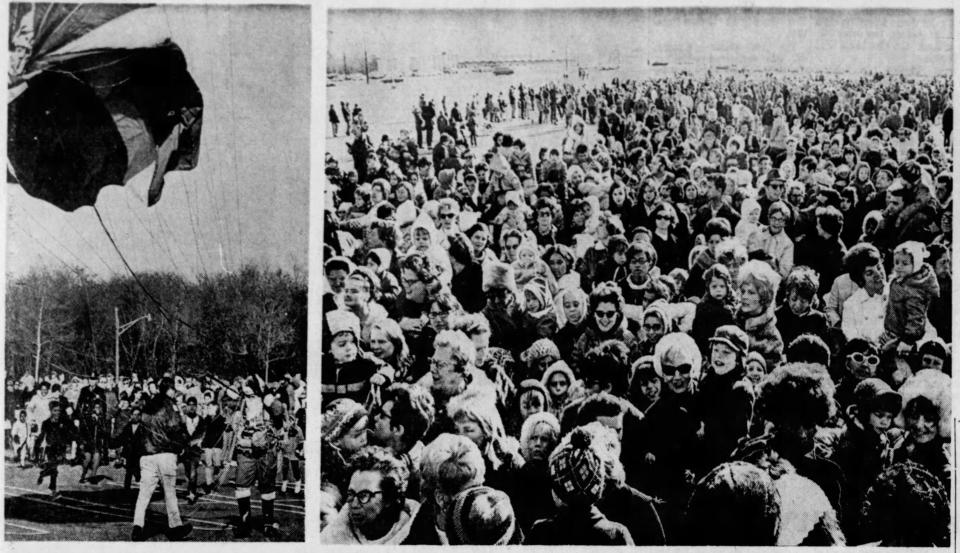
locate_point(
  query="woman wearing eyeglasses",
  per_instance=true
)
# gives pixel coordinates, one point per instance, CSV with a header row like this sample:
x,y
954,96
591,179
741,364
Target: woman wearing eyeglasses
x,y
375,511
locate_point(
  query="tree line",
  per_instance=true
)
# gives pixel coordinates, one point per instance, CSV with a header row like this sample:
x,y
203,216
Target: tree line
x,y
251,321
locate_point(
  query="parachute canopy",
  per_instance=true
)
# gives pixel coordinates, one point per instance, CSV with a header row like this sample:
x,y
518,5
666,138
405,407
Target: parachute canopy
x,y
80,121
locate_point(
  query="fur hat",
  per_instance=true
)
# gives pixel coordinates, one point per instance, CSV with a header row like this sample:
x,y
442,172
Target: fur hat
x,y
910,172
802,506
341,320
732,336
577,469
498,275
873,393
558,367
339,417
481,516
737,503
935,386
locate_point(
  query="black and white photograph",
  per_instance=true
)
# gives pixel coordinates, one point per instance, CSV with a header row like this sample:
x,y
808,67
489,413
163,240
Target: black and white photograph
x,y
157,229
637,276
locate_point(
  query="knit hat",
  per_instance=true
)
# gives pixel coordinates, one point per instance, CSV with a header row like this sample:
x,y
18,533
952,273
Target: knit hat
x,y
755,357
341,320
481,516
498,275
339,417
532,384
732,336
544,347
872,394
802,505
935,347
910,172
576,469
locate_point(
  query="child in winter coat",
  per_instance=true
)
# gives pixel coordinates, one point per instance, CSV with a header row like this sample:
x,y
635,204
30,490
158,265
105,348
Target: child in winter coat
x,y
349,372
866,447
724,400
797,315
716,307
529,266
912,289
539,319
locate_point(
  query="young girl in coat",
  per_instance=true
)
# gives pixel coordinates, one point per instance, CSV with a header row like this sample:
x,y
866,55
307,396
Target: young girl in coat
x,y
717,306
913,287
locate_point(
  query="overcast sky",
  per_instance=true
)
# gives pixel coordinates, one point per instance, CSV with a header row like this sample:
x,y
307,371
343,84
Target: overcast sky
x,y
249,196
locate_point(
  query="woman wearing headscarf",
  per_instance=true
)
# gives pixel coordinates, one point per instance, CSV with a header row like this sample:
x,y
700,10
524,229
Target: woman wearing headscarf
x,y
571,306
481,423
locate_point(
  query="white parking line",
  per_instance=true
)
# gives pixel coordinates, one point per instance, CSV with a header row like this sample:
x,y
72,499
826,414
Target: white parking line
x,y
124,514
31,531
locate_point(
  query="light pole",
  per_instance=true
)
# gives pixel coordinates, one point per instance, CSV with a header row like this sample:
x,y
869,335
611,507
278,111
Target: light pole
x,y
120,330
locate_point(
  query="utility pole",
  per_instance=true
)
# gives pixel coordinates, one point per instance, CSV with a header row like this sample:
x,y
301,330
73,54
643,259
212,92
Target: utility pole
x,y
344,64
36,364
120,329
366,67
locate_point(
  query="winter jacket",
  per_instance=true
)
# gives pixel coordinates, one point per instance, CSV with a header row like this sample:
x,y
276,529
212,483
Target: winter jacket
x,y
909,299
710,315
764,336
578,526
467,287
825,256
163,431
593,336
341,532
351,380
635,510
791,325
725,405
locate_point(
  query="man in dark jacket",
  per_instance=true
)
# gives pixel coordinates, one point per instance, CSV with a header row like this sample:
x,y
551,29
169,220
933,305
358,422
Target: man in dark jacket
x,y
163,440
130,442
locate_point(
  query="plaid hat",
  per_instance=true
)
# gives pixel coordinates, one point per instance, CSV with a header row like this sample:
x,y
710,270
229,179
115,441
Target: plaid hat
x,y
577,470
481,516
339,417
732,336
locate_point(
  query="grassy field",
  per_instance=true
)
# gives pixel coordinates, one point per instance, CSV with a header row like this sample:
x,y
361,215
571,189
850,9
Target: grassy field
x,y
104,512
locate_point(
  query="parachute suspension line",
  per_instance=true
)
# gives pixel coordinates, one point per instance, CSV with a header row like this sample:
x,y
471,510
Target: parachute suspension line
x,y
193,224
162,243
136,277
54,237
168,231
233,135
69,267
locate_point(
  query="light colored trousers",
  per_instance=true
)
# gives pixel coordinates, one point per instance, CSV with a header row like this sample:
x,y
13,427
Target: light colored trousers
x,y
159,468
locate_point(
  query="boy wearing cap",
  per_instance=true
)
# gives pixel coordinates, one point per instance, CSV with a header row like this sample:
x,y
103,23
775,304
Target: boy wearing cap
x,y
724,400
866,447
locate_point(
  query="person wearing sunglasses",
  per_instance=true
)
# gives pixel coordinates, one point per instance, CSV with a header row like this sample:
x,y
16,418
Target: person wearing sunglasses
x,y
375,510
605,322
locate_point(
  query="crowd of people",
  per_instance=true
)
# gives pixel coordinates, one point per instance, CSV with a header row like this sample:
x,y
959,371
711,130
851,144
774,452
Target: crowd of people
x,y
148,427
716,312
